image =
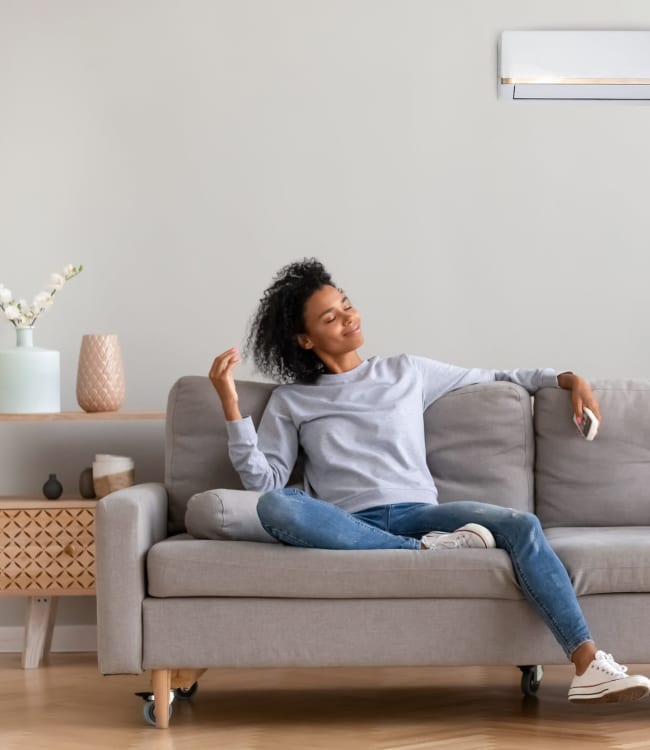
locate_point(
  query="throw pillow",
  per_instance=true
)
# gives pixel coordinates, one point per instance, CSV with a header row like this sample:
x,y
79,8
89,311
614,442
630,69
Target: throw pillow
x,y
226,515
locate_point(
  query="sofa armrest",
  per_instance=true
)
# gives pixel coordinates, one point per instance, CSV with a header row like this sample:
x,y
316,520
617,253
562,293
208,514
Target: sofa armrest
x,y
128,523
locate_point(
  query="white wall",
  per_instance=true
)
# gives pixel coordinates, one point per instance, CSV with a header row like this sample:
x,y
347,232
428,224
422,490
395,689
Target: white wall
x,y
184,150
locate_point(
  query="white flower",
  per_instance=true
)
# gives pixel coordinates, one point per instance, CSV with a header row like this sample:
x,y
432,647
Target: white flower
x,y
42,300
71,271
12,312
23,315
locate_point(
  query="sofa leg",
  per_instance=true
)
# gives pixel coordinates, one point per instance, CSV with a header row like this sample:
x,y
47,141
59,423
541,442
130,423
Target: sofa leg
x,y
161,679
185,678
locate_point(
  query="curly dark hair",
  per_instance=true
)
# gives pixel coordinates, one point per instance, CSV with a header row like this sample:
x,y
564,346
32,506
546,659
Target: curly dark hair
x,y
274,328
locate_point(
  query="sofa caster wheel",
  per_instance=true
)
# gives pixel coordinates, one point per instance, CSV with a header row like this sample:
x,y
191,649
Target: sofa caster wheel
x,y
149,712
186,693
531,678
149,709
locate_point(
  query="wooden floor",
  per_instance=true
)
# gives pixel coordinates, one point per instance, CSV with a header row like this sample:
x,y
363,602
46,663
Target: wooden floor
x,y
67,704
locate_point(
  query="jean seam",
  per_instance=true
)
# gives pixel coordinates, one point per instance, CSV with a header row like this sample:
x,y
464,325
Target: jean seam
x,y
377,531
550,620
282,535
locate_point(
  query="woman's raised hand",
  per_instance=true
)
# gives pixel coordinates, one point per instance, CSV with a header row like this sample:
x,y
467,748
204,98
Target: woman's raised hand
x,y
222,378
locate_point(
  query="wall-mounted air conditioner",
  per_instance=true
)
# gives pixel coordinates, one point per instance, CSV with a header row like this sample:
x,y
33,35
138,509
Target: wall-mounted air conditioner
x,y
603,65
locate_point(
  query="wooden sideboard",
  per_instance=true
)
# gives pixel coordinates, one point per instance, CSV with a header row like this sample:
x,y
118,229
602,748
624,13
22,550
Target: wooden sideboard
x,y
47,550
47,547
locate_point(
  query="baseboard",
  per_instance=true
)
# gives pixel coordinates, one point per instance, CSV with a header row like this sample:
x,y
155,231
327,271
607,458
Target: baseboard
x,y
66,638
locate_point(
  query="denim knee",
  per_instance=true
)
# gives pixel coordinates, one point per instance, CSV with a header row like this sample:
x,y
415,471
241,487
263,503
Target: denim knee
x,y
277,507
526,525
268,505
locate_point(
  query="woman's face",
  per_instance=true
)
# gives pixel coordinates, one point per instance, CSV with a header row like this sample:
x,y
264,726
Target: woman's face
x,y
332,324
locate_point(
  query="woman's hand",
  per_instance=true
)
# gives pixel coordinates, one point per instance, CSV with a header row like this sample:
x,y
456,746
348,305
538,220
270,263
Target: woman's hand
x,y
222,378
581,394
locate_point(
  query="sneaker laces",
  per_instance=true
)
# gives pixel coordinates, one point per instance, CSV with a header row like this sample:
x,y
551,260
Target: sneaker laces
x,y
444,540
613,665
452,543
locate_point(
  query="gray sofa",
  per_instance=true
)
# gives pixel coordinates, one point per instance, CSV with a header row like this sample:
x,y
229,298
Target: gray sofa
x,y
176,605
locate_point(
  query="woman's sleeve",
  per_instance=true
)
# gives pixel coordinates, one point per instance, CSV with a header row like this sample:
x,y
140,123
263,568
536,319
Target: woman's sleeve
x,y
439,378
264,458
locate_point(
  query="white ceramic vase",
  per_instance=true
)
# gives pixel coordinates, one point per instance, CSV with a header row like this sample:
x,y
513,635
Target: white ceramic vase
x,y
30,377
100,375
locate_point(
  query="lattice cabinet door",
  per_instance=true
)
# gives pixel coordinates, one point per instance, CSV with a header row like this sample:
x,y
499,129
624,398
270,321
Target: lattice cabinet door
x,y
47,548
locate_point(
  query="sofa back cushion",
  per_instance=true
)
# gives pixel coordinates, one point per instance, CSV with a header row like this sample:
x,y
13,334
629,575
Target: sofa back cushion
x,y
480,445
196,441
605,482
479,442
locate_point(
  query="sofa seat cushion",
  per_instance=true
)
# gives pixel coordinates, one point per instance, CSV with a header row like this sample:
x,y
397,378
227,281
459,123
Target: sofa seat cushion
x,y
185,567
605,560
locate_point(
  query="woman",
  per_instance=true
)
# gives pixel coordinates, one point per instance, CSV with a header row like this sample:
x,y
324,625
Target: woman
x,y
360,424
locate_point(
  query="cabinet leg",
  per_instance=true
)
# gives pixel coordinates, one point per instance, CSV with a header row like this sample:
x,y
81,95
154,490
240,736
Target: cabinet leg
x,y
161,679
41,614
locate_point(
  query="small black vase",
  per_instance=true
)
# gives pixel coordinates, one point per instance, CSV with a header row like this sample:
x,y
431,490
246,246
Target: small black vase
x,y
86,487
52,489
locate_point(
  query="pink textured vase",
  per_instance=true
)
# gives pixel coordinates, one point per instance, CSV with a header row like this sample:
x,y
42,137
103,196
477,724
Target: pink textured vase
x,y
100,375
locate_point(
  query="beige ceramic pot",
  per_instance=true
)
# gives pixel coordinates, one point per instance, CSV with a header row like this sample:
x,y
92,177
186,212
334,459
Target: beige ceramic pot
x,y
100,375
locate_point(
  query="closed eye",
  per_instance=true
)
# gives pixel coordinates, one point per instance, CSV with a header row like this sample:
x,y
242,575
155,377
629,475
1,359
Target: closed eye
x,y
347,305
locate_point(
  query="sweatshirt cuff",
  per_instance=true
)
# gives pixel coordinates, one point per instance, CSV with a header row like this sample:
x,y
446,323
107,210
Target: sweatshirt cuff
x,y
241,431
549,378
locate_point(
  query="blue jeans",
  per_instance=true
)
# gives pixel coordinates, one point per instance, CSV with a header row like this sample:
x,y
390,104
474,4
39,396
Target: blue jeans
x,y
295,518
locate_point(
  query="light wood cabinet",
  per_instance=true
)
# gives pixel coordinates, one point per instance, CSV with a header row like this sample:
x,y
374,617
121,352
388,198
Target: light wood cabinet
x,y
47,550
47,547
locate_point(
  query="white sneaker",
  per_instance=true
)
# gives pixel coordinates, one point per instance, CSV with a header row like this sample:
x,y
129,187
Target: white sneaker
x,y
470,535
605,681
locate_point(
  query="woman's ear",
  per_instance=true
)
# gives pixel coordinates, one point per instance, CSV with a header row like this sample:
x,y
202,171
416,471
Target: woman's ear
x,y
303,341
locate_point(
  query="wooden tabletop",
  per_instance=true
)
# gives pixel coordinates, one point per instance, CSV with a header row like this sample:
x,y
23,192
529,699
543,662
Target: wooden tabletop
x,y
8,502
82,416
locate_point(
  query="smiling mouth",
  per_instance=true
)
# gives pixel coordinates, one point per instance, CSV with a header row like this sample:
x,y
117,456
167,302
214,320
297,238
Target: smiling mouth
x,y
356,329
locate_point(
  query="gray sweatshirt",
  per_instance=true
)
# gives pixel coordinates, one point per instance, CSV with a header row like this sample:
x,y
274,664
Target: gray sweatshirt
x,y
362,431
